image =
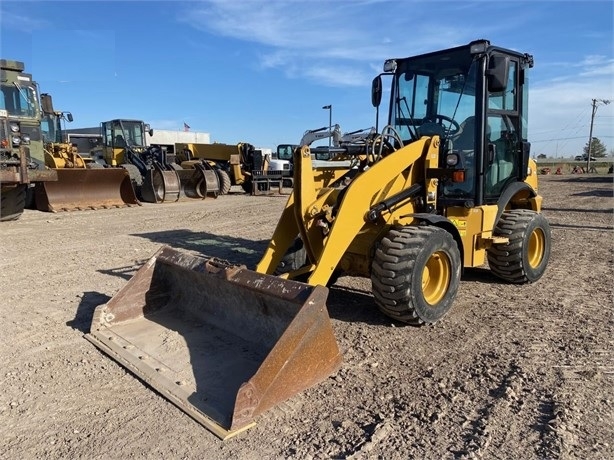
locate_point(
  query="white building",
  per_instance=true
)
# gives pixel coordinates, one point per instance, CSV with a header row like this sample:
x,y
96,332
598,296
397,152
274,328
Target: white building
x,y
166,137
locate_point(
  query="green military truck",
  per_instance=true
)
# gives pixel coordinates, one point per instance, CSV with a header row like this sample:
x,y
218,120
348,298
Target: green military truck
x,y
22,159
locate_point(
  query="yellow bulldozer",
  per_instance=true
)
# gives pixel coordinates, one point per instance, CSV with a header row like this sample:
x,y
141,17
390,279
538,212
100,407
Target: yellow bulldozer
x,y
82,183
446,184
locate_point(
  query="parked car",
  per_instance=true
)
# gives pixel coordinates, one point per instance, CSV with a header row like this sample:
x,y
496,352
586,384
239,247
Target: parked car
x,y
584,158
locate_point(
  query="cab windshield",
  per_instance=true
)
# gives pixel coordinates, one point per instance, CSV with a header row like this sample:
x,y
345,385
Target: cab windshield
x,y
19,100
433,95
51,128
124,133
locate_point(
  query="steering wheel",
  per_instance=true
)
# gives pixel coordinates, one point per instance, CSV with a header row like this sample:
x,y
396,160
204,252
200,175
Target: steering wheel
x,y
451,130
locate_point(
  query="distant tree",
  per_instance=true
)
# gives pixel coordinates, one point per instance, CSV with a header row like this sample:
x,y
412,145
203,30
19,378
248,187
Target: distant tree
x,y
597,148
541,156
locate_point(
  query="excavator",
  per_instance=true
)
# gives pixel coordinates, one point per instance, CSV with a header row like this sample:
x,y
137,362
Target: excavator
x,y
447,184
82,183
286,151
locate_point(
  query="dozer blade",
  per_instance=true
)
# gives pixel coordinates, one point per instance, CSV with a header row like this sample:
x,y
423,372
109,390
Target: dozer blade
x,y
221,342
199,182
160,185
78,189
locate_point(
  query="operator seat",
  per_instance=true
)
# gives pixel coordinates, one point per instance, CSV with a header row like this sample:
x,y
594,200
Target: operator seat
x,y
465,140
119,141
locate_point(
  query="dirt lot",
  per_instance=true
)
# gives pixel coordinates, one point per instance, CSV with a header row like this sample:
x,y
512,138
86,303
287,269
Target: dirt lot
x,y
511,372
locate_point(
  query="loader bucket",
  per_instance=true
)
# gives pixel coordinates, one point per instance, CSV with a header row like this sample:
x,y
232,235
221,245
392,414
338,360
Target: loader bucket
x,y
199,182
78,189
221,342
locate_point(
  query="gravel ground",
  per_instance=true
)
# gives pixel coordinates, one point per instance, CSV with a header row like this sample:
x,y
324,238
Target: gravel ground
x,y
511,371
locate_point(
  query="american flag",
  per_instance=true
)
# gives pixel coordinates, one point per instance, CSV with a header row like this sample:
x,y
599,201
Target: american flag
x,y
186,127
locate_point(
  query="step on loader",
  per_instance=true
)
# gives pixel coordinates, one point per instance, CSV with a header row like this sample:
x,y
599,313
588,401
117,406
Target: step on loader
x,y
447,184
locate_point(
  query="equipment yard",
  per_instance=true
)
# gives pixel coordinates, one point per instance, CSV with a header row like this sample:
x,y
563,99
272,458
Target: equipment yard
x,y
512,371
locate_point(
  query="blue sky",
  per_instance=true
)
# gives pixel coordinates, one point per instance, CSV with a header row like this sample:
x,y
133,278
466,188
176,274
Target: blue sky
x,y
260,71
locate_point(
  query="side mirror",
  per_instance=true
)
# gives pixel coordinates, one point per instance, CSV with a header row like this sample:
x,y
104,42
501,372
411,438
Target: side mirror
x,y
47,103
69,117
376,91
498,72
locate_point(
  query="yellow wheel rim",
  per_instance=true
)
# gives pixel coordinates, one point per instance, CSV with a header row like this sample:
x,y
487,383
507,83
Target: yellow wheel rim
x,y
537,244
436,277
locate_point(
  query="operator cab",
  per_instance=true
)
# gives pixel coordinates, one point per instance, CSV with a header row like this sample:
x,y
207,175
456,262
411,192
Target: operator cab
x,y
474,97
120,134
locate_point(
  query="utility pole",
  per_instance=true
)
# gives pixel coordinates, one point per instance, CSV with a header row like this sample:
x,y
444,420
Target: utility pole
x,y
590,135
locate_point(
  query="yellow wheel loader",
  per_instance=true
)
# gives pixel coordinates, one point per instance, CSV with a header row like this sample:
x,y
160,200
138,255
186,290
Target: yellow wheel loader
x,y
82,183
447,183
155,176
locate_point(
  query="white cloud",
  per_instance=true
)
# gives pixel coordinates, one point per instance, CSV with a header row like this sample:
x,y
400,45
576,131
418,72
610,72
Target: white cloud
x,y
20,21
343,44
323,40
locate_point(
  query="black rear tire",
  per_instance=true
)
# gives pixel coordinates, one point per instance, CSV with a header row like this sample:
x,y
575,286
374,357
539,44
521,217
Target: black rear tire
x,y
12,203
415,274
525,257
224,181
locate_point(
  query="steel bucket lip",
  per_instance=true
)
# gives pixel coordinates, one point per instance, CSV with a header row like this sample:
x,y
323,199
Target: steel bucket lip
x,y
86,189
301,354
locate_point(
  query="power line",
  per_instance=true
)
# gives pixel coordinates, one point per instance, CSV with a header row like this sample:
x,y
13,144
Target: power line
x,y
533,141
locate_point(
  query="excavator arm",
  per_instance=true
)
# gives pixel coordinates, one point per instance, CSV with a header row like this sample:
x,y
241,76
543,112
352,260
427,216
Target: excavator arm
x,y
312,135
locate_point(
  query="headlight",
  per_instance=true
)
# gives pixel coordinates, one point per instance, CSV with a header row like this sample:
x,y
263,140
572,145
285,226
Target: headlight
x,y
14,127
25,139
16,140
451,159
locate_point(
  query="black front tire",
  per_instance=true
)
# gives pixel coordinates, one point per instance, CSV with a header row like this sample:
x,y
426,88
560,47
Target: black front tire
x,y
12,203
525,257
416,273
294,258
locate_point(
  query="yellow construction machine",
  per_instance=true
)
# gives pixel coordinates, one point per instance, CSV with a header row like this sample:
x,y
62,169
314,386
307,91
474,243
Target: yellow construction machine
x,y
241,164
155,177
447,183
82,183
